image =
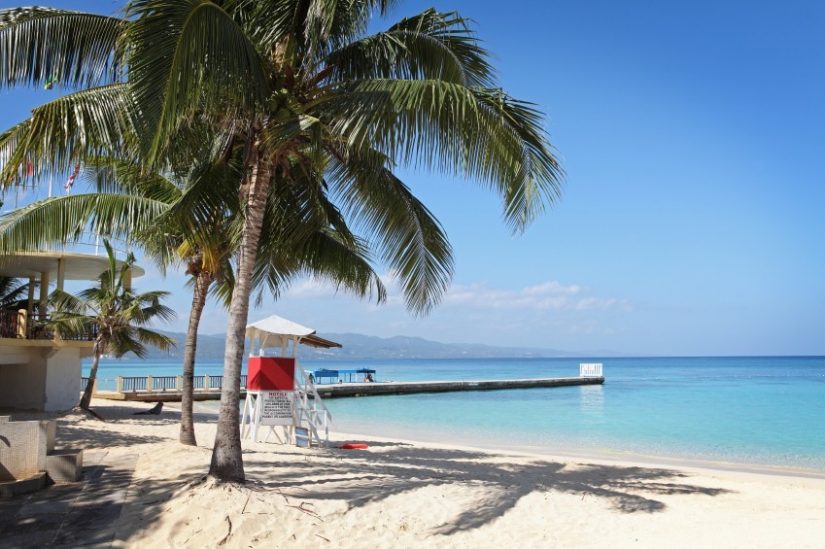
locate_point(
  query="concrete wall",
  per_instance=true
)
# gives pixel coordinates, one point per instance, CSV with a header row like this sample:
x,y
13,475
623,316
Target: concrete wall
x,y
39,377
23,447
23,386
62,379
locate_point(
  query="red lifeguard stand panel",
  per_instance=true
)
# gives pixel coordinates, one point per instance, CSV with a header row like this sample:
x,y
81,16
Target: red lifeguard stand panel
x,y
269,373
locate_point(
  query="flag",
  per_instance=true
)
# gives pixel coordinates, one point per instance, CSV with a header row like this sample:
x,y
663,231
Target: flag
x,y
70,181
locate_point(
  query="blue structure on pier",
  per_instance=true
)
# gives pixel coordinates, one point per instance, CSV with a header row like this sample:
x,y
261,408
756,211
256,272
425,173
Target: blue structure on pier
x,y
325,375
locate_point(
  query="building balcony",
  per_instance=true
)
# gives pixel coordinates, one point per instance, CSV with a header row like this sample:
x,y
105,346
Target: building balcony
x,y
19,325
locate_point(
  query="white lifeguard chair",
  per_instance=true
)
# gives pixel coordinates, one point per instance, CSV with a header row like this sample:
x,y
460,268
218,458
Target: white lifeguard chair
x,y
279,392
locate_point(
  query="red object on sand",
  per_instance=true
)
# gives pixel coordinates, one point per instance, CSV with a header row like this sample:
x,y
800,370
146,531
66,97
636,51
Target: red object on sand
x,y
354,446
269,373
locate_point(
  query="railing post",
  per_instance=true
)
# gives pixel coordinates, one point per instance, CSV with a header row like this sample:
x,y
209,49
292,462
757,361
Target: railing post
x,y
119,384
149,382
205,383
179,383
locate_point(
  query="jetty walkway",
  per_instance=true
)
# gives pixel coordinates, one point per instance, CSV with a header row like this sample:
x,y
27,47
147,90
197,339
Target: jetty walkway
x,y
168,389
411,387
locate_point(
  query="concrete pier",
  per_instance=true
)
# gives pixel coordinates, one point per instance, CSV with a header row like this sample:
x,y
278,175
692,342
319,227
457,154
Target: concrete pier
x,y
412,387
339,390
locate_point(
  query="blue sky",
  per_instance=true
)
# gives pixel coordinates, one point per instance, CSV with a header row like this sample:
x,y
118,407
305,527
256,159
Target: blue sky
x,y
692,135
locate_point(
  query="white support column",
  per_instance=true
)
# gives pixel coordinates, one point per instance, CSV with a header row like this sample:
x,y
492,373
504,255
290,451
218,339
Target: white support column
x,y
61,272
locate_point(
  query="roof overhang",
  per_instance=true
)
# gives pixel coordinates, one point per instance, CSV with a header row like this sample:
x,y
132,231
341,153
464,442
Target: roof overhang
x,y
76,266
276,331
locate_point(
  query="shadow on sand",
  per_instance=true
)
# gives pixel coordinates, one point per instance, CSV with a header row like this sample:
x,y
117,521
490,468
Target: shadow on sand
x,y
374,476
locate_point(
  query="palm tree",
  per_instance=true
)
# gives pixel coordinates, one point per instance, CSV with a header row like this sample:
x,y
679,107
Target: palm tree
x,y
117,315
312,100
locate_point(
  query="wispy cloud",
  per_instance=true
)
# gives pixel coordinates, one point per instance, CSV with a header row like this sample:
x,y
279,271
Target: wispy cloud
x,y
546,296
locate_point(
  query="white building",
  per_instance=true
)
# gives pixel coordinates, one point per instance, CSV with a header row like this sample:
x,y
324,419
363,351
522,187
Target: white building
x,y
37,371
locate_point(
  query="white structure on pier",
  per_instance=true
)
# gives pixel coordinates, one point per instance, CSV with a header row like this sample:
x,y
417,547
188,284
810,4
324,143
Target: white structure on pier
x,y
591,369
38,371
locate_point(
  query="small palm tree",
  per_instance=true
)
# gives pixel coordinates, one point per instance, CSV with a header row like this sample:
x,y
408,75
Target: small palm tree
x,y
113,312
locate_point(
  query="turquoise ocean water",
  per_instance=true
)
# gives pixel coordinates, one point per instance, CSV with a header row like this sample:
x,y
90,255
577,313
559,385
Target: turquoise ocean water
x,y
758,411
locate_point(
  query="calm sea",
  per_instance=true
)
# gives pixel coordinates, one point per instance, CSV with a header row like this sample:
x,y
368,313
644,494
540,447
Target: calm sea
x,y
761,411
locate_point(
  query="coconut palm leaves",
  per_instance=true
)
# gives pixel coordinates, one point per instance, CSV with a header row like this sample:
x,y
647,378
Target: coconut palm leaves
x,y
46,47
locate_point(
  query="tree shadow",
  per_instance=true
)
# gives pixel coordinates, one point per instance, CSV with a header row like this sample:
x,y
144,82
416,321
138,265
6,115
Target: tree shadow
x,y
369,476
69,514
78,436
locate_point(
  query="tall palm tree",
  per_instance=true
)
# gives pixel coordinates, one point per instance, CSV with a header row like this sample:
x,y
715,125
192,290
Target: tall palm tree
x,y
312,99
117,314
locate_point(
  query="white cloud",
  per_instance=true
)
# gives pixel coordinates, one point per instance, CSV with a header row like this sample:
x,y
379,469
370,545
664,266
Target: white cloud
x,y
309,288
547,296
551,295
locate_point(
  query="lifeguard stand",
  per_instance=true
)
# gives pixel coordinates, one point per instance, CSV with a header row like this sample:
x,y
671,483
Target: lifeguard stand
x,y
279,393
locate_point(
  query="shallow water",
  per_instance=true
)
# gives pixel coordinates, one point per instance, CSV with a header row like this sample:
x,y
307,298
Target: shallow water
x,y
764,411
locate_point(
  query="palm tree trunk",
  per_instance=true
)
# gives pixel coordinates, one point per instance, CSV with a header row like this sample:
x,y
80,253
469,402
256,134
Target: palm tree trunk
x,y
187,426
227,460
86,399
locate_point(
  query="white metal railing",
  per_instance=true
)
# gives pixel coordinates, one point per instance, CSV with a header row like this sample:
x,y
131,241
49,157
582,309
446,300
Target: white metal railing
x,y
590,369
315,414
150,384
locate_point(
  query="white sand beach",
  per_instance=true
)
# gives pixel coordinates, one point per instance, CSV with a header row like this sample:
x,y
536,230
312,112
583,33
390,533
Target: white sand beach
x,y
403,494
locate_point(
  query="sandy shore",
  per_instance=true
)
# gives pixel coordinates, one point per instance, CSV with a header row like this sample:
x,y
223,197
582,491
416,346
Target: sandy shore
x,y
402,494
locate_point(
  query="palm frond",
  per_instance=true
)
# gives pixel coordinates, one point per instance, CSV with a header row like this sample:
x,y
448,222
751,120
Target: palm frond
x,y
155,339
46,46
453,129
409,237
61,133
188,56
66,302
66,219
325,256
115,175
12,291
430,45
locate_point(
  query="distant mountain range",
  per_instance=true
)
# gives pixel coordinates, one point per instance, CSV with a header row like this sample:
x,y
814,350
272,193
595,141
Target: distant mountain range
x,y
359,346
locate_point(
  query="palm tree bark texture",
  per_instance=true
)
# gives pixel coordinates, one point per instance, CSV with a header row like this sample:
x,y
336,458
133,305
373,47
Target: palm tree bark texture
x,y
227,460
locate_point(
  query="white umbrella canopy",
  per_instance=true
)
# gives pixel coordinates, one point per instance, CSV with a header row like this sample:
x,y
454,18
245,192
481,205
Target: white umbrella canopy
x,y
276,331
